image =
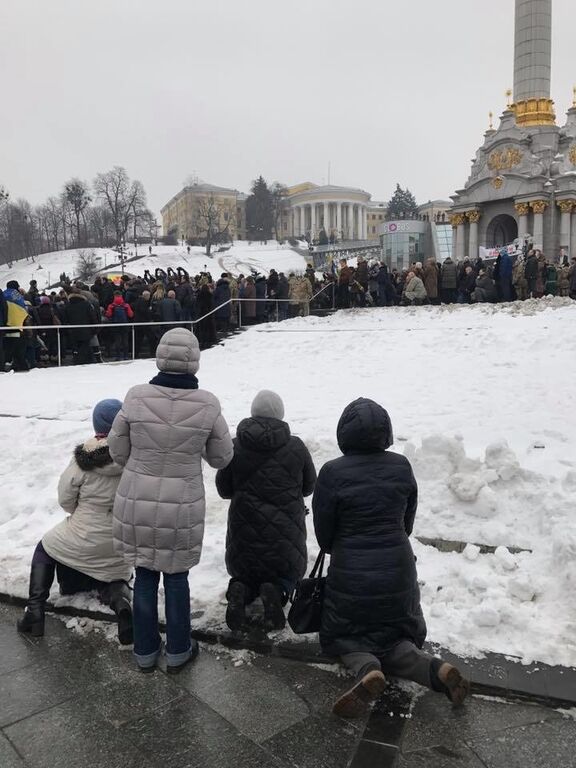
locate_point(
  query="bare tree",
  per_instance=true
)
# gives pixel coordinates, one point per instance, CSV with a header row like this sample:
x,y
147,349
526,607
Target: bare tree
x,y
125,199
76,194
278,194
100,225
214,218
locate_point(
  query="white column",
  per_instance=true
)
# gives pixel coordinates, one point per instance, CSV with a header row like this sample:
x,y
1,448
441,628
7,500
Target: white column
x,y
327,218
473,217
302,220
572,251
339,220
566,207
363,222
539,206
460,239
313,221
350,221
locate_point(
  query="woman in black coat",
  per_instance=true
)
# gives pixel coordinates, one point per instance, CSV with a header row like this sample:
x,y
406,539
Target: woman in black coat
x,y
267,480
364,508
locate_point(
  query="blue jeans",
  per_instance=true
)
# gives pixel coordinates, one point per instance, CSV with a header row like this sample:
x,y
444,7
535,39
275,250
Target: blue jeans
x,y
147,643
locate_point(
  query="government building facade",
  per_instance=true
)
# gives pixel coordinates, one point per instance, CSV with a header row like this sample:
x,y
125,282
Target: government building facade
x,y
342,213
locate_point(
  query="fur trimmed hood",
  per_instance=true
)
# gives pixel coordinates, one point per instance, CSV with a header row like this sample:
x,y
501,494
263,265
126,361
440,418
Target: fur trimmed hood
x,y
94,456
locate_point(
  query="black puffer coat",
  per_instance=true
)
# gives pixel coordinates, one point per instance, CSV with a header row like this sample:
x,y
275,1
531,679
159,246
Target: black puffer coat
x,y
267,480
364,507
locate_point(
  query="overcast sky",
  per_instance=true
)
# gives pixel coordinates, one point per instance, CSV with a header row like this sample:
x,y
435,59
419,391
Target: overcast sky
x,y
384,91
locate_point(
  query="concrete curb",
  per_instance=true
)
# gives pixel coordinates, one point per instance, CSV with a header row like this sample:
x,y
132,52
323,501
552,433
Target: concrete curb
x,y
495,675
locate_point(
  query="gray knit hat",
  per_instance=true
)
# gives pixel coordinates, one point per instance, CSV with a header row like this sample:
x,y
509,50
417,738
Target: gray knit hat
x,y
268,404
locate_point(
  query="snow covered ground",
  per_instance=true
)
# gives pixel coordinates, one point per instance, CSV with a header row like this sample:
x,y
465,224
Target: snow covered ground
x,y
241,257
481,399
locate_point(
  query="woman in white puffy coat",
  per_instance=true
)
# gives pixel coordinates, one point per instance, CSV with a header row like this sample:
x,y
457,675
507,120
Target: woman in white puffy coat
x,y
80,549
160,436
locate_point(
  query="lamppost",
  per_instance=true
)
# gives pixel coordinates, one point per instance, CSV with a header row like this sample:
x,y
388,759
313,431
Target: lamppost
x,y
122,256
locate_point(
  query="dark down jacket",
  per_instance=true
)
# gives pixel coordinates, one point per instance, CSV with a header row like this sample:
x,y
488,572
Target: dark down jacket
x,y
267,480
364,507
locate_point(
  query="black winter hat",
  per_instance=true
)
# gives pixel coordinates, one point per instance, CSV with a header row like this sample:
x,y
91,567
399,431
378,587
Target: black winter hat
x,y
13,284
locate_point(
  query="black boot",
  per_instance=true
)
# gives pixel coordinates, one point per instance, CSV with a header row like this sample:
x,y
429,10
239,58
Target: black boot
x,y
236,611
274,617
117,596
41,579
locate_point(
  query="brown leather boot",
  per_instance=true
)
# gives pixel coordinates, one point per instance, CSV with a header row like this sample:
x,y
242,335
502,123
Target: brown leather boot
x,y
355,702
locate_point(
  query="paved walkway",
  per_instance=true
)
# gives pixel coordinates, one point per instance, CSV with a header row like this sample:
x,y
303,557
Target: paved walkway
x,y
73,702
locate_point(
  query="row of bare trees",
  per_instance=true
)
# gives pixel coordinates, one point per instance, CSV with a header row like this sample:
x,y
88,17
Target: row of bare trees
x,y
110,211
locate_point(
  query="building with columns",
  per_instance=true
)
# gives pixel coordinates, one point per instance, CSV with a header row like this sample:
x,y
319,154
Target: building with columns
x,y
523,178
340,211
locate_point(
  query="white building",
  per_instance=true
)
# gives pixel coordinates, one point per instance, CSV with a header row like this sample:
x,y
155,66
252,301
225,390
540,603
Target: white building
x,y
340,211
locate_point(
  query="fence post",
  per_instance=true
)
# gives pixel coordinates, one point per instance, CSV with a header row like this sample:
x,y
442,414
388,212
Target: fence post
x,y
133,342
277,310
59,346
239,314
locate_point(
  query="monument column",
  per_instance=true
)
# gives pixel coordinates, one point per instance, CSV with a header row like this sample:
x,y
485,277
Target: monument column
x,y
473,217
566,207
533,63
539,208
454,236
460,222
522,209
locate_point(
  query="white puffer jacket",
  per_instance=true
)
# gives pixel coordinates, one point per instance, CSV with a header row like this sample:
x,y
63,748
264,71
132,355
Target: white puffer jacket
x,y
86,491
160,437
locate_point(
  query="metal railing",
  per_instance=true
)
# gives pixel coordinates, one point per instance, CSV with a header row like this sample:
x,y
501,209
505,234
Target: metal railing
x,y
107,327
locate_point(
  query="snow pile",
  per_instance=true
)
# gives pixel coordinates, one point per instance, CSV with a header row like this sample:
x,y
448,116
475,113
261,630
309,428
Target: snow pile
x,y
480,402
494,500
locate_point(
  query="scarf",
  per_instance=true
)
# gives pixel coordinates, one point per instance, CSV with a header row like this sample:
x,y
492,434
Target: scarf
x,y
175,380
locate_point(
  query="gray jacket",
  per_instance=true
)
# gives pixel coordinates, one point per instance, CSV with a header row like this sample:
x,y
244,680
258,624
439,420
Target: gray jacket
x,y
160,437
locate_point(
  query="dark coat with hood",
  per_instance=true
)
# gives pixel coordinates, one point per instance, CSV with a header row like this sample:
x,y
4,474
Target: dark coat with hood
x,y
364,507
267,480
222,295
79,311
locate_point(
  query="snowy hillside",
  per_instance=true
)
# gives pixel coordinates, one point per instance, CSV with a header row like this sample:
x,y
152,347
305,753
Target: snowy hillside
x,y
481,402
239,258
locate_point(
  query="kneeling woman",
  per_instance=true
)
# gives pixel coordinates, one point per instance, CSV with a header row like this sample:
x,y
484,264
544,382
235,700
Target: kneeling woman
x,y
364,508
80,548
267,480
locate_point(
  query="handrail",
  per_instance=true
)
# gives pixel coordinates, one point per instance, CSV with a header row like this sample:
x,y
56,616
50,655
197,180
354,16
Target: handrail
x,y
104,324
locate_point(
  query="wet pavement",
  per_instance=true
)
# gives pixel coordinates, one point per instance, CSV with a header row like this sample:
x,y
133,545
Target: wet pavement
x,y
70,701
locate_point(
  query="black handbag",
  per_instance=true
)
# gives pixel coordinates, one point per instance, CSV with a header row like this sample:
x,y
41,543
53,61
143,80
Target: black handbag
x,y
305,614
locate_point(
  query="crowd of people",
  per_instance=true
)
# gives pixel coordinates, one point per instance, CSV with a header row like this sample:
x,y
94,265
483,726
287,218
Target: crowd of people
x,y
466,282
135,497
95,320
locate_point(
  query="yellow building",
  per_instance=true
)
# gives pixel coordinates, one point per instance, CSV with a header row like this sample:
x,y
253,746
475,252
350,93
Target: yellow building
x,y
375,216
189,213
